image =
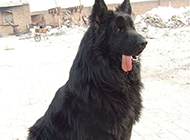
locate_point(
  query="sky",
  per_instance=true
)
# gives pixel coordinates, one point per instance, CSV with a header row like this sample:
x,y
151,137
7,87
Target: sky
x,y
39,5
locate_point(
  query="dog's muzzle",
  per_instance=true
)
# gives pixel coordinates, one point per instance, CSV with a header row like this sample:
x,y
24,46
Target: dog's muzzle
x,y
127,60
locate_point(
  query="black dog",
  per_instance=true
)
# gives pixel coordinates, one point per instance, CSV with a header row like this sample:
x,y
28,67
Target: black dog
x,y
101,100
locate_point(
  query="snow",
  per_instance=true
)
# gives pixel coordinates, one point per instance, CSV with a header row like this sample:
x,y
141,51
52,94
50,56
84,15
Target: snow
x,y
166,13
160,21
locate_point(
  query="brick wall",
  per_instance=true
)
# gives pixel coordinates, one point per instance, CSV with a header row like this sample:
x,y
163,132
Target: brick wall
x,y
144,6
4,29
138,8
21,17
174,3
37,16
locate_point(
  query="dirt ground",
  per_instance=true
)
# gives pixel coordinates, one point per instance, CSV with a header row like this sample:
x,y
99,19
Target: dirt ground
x,y
31,72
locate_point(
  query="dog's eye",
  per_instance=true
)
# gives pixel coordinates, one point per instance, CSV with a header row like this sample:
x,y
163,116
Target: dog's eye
x,y
118,30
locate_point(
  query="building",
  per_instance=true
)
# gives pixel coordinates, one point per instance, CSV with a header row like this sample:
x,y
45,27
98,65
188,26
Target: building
x,y
14,14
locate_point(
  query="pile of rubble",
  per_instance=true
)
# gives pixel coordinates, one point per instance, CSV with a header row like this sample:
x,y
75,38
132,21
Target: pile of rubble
x,y
163,18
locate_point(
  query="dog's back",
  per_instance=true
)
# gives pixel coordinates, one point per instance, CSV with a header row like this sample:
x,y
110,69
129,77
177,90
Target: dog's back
x,y
101,100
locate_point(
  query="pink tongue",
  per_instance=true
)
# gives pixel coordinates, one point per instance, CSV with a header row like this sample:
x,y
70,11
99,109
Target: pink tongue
x,y
126,63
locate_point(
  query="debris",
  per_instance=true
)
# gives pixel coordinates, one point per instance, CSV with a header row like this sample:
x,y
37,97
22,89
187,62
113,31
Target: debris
x,y
162,18
8,48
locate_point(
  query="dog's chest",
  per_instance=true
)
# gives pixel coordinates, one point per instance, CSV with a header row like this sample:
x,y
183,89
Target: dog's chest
x,y
118,118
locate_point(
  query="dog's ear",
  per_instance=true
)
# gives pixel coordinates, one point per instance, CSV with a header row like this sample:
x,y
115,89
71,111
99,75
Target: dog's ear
x,y
98,10
125,7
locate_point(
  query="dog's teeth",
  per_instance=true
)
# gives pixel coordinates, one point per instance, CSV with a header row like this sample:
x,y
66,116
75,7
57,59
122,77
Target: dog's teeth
x,y
135,57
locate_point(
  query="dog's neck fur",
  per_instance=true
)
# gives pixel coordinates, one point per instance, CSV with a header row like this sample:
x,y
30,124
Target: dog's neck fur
x,y
95,75
103,75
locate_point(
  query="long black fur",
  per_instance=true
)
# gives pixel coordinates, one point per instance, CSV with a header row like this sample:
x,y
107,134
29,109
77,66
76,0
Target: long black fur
x,y
99,101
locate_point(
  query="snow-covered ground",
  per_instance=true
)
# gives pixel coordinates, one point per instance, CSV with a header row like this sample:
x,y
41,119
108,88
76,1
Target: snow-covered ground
x,y
31,72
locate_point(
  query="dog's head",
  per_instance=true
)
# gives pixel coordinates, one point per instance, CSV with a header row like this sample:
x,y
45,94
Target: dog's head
x,y
116,31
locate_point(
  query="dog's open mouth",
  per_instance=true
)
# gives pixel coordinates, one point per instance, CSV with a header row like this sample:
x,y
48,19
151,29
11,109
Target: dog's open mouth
x,y
127,61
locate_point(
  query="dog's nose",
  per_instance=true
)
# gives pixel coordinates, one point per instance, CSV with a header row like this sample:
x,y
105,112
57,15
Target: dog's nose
x,y
142,44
